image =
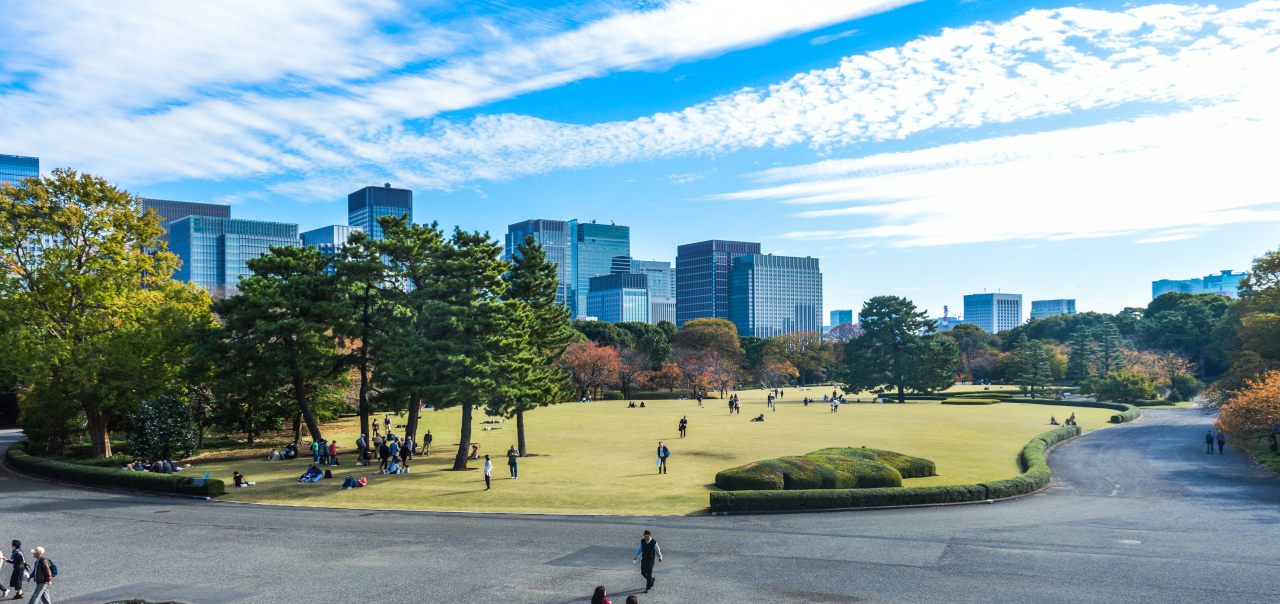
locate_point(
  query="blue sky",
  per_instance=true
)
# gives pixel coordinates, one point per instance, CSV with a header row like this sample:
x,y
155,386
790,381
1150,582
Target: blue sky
x,y
925,149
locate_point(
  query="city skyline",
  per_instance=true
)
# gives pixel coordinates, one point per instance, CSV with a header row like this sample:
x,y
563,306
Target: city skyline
x,y
790,126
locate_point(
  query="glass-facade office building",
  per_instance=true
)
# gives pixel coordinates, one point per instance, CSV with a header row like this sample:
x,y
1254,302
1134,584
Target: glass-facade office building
x,y
169,211
1225,283
840,317
619,297
1041,309
14,168
365,206
702,278
993,312
662,288
556,239
214,251
597,250
329,240
774,295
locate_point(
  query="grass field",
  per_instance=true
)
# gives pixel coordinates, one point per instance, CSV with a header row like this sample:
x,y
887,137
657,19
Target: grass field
x,y
599,457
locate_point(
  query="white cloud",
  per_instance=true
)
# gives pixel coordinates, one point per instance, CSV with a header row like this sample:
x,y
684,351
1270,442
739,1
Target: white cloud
x,y
820,40
164,90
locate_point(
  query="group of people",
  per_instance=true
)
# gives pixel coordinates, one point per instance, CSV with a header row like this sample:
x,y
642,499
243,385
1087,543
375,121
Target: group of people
x,y
735,405
512,464
290,452
1070,421
42,574
159,466
632,405
1220,438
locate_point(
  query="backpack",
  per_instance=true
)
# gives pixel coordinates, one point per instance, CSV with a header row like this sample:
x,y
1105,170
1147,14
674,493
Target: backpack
x,y
53,568
328,474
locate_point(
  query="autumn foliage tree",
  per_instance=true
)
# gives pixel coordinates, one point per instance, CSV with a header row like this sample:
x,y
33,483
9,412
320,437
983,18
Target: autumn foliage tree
x,y
1254,411
590,366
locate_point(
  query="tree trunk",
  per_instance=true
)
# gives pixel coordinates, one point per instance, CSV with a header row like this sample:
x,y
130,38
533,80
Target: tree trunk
x,y
411,426
98,436
297,428
364,382
199,436
464,441
902,398
300,390
520,433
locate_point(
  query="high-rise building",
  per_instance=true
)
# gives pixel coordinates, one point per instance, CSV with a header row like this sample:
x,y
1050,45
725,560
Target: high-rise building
x,y
328,239
619,297
555,237
170,211
365,206
840,317
702,278
993,312
1048,308
1225,283
596,252
214,251
14,168
662,288
774,295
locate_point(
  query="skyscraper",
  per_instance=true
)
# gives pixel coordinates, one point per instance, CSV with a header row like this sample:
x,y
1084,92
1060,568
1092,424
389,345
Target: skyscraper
x,y
328,239
993,312
1225,283
596,248
365,206
169,211
840,317
702,278
1048,308
662,288
14,168
214,251
774,295
555,237
619,297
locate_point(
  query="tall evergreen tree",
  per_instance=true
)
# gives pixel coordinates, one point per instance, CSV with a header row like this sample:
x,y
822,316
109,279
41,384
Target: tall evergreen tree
x,y
367,281
1109,356
532,282
1031,366
1078,363
892,354
286,323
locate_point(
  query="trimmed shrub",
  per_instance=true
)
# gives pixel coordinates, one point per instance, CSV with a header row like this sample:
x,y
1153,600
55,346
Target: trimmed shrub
x,y
970,401
664,395
1127,413
610,395
833,468
17,457
906,465
983,395
162,429
1035,476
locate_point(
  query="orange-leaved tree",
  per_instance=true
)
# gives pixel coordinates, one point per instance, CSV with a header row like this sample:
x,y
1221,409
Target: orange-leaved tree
x,y
590,366
1254,412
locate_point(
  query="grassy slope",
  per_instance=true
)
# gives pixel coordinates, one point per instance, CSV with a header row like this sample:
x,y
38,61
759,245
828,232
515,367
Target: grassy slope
x,y
598,457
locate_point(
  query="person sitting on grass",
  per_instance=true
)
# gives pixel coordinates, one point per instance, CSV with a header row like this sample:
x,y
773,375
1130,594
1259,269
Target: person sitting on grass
x,y
475,452
642,404
311,475
350,483
760,418
239,480
394,468
291,451
1053,421
274,456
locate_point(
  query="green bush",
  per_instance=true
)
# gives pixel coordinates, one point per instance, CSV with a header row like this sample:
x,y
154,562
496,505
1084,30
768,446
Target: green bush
x,y
834,468
162,429
1035,476
663,395
610,395
1127,413
985,394
970,401
17,457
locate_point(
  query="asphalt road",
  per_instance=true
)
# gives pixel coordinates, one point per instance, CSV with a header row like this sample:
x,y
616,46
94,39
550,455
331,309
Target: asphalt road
x,y
1138,513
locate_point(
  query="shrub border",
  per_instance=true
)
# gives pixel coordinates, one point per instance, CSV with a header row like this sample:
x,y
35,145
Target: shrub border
x,y
17,458
1031,459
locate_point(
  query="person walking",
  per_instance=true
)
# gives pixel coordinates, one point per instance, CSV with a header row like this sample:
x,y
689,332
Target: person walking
x,y
384,453
512,454
663,454
699,399
426,445
646,554
1222,442
488,472
1208,441
43,576
19,563
361,445
684,425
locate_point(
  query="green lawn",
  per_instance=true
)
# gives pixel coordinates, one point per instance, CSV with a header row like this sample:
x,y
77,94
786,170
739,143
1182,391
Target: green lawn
x,y
599,457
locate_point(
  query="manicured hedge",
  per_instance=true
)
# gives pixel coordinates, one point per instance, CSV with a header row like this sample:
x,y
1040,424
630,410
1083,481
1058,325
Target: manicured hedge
x,y
970,401
808,472
610,395
109,477
1127,413
1034,477
906,465
663,395
983,394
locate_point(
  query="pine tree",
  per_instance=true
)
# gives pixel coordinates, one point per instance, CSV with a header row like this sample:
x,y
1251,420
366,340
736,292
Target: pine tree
x,y
532,282
1031,364
1082,351
367,281
892,355
1109,357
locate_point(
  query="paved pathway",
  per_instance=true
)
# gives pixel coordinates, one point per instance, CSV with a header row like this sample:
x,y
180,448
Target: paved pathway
x,y
1138,514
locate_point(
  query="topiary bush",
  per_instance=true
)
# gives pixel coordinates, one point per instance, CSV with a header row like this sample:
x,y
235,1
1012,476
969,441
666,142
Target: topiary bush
x,y
983,395
18,458
162,428
835,468
970,401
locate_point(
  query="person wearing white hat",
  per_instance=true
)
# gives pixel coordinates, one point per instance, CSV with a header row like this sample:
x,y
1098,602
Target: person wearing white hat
x,y
43,576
